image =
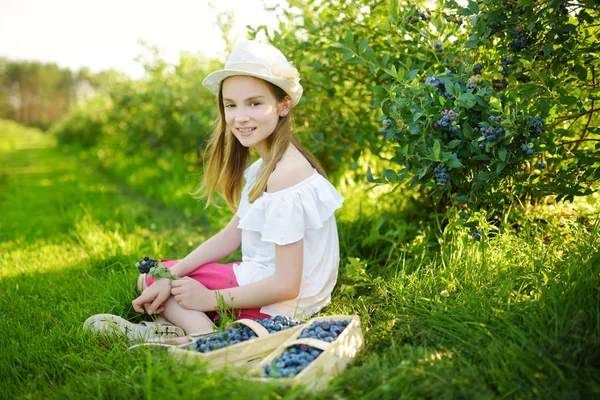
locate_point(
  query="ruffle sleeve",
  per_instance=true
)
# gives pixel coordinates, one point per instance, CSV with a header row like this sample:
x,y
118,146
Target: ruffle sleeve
x,y
283,217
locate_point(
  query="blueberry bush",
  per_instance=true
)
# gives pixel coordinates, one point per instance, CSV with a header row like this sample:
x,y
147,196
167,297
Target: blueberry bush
x,y
480,105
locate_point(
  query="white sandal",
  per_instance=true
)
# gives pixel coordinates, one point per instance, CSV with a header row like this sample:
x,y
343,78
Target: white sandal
x,y
108,323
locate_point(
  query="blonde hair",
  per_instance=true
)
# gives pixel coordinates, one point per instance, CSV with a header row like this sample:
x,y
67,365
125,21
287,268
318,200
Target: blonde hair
x,y
225,158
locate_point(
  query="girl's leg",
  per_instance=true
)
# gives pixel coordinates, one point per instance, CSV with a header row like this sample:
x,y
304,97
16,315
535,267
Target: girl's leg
x,y
191,321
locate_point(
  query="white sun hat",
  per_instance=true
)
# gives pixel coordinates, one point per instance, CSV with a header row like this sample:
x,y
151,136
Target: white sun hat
x,y
260,60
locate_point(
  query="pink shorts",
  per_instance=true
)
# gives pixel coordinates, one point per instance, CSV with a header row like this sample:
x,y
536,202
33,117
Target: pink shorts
x,y
216,276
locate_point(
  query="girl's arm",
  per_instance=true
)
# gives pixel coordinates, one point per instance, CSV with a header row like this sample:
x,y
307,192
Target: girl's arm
x,y
281,286
220,245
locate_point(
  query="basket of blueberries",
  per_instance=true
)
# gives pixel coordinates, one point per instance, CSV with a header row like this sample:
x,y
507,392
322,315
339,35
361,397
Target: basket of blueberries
x,y
242,343
314,354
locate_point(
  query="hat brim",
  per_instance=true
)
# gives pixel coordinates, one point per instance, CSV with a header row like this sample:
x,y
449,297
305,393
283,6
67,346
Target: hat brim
x,y
213,82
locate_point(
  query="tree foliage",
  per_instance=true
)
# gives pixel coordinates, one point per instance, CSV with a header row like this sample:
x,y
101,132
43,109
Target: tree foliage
x,y
36,93
482,104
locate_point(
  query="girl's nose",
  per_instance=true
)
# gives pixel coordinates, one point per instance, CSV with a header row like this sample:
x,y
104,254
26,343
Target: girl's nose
x,y
242,115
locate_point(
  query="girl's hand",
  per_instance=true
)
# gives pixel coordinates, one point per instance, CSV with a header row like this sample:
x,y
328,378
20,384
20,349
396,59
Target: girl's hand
x,y
153,297
193,295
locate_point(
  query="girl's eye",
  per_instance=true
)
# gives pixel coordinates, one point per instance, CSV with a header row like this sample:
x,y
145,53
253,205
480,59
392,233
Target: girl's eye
x,y
229,105
255,103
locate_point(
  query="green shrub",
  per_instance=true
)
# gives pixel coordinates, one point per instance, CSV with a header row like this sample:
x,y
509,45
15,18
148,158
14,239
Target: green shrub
x,y
85,123
531,65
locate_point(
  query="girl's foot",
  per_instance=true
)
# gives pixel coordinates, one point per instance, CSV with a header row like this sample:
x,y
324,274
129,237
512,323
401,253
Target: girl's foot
x,y
113,324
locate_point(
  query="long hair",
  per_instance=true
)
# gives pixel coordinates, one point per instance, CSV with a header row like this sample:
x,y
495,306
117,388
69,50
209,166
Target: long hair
x,y
225,158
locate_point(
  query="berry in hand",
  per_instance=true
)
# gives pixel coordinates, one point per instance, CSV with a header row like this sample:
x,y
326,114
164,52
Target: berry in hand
x,y
145,264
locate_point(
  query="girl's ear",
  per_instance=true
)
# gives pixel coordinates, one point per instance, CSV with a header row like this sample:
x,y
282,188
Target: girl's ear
x,y
285,106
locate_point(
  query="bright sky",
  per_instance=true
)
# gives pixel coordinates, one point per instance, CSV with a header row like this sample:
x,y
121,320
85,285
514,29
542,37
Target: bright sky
x,y
104,34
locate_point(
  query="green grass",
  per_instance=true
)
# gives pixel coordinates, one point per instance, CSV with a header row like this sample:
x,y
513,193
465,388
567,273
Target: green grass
x,y
514,316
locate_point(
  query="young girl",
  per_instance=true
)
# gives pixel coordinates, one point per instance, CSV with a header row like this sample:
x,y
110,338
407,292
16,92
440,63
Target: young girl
x,y
284,221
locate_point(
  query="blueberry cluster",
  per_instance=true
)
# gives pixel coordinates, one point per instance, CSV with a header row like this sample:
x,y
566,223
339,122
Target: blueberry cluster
x,y
438,49
423,15
506,61
236,335
324,330
441,176
528,150
477,68
295,358
292,361
506,5
475,233
386,124
439,85
519,43
541,165
494,131
535,125
499,84
447,122
456,20
145,264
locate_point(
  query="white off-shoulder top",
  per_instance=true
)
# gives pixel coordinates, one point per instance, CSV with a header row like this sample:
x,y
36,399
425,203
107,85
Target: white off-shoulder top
x,y
303,211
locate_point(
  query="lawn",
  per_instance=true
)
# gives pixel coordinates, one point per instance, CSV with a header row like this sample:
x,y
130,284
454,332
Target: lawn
x,y
516,315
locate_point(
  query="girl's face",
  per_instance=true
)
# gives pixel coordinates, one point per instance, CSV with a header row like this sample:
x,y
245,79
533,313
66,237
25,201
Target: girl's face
x,y
251,110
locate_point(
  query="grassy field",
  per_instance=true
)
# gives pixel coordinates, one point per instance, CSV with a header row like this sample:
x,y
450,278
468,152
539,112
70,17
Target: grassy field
x,y
516,315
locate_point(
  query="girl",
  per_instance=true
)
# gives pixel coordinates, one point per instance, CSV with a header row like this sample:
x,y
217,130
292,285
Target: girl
x,y
284,216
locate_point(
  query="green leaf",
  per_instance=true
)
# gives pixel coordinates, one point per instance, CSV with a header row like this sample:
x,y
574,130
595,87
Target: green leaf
x,y
454,162
349,39
363,45
468,131
472,42
568,99
466,100
502,153
450,88
437,150
462,199
581,72
390,175
371,179
473,7
454,143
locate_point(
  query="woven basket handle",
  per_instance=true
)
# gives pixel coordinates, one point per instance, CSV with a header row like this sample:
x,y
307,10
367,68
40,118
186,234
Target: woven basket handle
x,y
260,330
319,344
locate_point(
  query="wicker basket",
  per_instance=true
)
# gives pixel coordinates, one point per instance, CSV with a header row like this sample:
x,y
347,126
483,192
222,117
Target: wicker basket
x,y
244,354
331,362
